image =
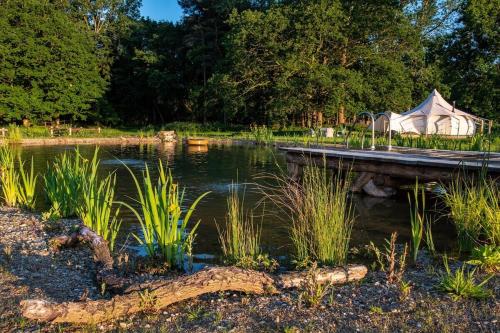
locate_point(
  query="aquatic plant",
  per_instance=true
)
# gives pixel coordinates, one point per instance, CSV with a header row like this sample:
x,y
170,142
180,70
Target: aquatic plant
x,y
96,207
14,134
474,206
27,185
417,219
461,283
261,134
320,212
240,238
9,177
65,180
164,227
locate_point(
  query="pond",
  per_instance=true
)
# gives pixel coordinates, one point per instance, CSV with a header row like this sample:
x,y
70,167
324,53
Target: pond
x,y
214,169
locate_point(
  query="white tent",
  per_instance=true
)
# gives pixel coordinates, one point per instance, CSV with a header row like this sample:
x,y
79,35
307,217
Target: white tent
x,y
432,116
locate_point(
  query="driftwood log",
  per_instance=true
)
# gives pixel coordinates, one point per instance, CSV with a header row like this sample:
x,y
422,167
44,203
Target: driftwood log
x,y
105,272
159,294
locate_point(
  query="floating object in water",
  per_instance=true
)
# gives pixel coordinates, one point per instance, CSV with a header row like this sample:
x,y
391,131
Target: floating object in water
x,y
197,149
197,142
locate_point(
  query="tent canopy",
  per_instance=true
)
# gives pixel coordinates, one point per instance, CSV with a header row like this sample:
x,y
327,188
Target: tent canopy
x,y
436,105
432,116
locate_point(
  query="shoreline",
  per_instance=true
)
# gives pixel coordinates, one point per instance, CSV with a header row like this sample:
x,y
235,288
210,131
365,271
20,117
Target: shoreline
x,y
30,269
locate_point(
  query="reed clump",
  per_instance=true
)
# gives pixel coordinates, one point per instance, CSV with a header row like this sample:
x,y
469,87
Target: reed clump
x,y
320,212
27,185
66,179
18,185
474,206
164,226
96,209
9,178
261,134
240,236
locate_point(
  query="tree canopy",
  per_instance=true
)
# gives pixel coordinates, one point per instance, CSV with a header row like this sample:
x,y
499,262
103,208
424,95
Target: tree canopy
x,y
47,65
243,61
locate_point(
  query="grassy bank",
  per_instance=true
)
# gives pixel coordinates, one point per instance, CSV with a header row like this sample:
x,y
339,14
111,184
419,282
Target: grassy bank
x,y
357,138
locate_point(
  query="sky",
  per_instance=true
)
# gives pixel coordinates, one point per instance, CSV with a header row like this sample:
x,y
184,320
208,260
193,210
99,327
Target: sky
x,y
161,10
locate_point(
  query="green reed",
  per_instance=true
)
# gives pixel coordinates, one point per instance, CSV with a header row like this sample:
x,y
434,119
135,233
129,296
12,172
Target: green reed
x,y
240,240
96,209
261,134
164,226
14,133
320,212
417,219
9,178
474,206
27,185
66,179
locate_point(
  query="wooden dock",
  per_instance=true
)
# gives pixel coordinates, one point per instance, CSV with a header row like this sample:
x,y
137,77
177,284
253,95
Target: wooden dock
x,y
380,172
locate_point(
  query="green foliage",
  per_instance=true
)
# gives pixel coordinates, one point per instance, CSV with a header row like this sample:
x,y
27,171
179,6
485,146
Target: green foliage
x,y
95,209
462,284
27,185
9,177
14,133
320,212
417,219
474,206
48,66
66,179
486,257
164,227
240,238
470,54
261,134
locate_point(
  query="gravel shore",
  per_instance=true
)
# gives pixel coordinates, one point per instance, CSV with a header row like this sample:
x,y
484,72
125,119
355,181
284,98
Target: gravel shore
x,y
29,269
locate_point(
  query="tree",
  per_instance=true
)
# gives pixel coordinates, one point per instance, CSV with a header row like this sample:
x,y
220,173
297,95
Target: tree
x,y
470,58
47,66
306,58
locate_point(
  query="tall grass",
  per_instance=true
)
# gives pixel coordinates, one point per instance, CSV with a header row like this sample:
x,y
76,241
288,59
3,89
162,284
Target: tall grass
x,y
240,239
474,206
14,134
320,211
164,226
9,177
96,207
66,179
417,219
27,185
261,134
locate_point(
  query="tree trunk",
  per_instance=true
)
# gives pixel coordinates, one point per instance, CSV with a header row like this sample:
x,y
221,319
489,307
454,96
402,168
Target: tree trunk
x,y
158,295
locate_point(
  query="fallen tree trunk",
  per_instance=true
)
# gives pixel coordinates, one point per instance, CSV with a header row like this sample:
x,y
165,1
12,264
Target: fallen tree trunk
x,y
105,272
160,294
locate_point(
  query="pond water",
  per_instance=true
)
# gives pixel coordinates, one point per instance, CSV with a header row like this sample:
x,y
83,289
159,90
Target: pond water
x,y
214,169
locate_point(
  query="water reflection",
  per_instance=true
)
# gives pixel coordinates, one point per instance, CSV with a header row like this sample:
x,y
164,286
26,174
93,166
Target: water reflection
x,y
214,169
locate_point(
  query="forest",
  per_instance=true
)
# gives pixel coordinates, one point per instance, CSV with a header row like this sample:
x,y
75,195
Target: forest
x,y
268,62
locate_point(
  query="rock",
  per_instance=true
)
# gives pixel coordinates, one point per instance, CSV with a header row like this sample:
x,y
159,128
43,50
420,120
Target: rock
x,y
167,136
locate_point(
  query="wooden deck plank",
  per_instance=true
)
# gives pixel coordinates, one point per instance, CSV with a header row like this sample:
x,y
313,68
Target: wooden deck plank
x,y
415,157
